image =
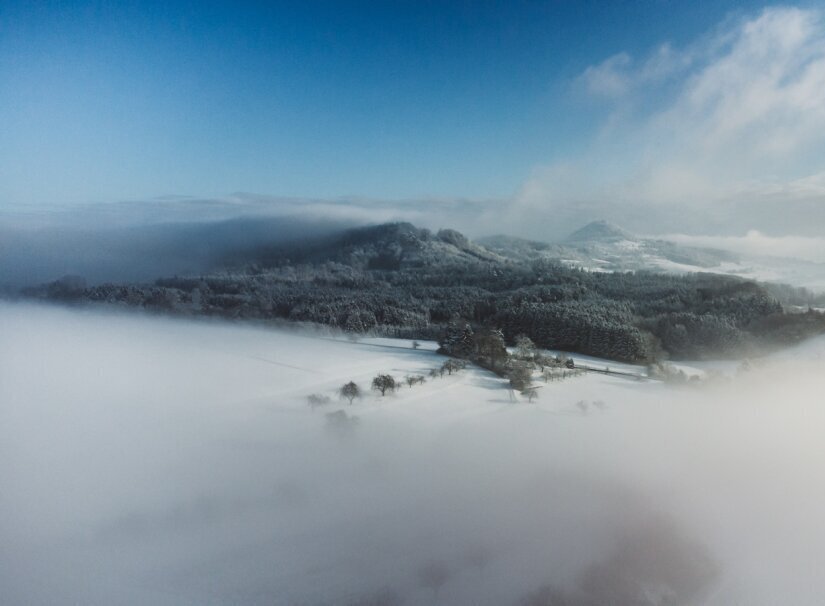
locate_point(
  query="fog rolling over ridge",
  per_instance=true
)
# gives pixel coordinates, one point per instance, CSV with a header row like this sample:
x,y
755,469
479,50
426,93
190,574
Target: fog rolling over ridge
x,y
139,242
143,250
166,462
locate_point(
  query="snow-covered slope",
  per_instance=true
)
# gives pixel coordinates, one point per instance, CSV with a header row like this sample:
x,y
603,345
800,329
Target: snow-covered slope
x,y
602,246
150,461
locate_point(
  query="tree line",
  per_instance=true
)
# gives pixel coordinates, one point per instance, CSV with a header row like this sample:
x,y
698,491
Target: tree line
x,y
633,316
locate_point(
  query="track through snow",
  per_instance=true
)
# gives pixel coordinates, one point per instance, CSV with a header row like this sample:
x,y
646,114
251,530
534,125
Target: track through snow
x,y
153,461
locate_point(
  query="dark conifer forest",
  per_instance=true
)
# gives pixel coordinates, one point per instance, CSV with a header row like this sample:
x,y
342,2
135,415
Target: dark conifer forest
x,y
398,280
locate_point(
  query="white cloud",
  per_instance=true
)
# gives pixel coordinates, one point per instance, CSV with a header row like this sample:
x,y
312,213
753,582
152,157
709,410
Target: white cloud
x,y
762,96
663,62
737,123
610,78
755,243
620,75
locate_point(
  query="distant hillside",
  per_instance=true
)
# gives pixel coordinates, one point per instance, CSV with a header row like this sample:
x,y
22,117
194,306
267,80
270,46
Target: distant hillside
x,y
602,246
401,280
391,246
520,249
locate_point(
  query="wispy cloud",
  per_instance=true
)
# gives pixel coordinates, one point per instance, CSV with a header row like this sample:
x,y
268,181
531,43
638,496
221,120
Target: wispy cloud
x,y
610,78
620,75
732,122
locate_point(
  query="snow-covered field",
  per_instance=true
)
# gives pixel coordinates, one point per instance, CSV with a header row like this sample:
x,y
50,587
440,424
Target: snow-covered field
x,y
154,461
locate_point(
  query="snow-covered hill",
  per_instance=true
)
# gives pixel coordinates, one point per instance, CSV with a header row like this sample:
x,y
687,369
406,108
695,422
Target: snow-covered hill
x,y
389,246
603,246
147,460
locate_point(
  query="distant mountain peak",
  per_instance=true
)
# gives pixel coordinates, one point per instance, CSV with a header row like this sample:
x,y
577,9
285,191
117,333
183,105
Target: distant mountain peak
x,y
600,231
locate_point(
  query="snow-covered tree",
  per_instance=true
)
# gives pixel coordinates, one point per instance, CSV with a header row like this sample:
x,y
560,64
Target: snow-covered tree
x,y
457,340
525,348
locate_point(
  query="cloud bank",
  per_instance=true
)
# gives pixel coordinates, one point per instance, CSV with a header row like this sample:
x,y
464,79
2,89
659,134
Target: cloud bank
x,y
152,461
755,243
141,240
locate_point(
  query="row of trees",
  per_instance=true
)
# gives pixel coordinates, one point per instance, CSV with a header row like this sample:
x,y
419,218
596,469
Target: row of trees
x,y
485,347
385,384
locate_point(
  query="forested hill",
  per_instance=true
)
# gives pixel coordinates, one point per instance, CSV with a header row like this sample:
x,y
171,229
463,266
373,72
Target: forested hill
x,y
391,246
402,280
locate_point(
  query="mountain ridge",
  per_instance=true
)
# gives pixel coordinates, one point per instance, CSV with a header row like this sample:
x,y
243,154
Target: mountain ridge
x,y
388,246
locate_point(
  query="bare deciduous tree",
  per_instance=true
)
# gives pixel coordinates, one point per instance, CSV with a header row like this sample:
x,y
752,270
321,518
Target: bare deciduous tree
x,y
452,365
384,383
414,379
520,377
349,391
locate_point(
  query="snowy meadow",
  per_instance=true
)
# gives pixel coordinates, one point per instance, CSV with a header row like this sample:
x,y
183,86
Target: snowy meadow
x,y
154,461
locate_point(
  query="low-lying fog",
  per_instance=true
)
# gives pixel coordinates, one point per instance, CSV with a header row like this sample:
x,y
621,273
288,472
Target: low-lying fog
x,y
106,251
152,461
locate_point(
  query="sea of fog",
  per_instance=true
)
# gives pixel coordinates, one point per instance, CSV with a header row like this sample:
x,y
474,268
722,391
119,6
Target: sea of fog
x,y
155,461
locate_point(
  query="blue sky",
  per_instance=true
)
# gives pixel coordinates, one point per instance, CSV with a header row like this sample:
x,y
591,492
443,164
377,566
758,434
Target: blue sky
x,y
106,101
